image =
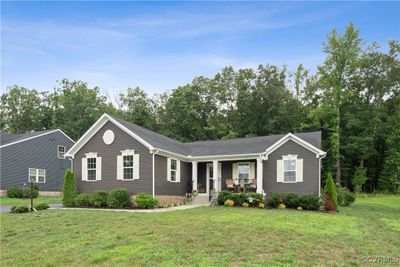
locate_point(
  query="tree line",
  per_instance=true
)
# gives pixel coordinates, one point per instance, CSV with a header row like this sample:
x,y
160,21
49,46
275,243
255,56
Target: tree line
x,y
353,98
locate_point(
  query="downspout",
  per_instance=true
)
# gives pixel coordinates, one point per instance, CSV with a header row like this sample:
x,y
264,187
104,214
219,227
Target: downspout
x,y
153,152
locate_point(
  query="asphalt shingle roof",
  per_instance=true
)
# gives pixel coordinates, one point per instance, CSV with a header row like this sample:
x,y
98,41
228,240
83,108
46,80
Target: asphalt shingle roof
x,y
218,147
6,138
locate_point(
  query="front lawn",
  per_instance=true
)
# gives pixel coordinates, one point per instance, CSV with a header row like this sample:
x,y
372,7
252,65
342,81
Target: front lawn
x,y
203,236
6,201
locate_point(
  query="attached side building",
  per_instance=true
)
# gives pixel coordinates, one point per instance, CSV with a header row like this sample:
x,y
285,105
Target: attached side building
x,y
114,153
38,156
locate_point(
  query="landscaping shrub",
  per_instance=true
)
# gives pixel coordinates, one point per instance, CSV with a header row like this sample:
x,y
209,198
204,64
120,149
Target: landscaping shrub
x,y
281,206
344,196
291,200
35,191
83,200
261,205
330,195
70,191
42,206
299,208
20,209
254,198
224,196
99,199
14,192
13,209
310,202
119,198
274,200
229,203
245,205
145,201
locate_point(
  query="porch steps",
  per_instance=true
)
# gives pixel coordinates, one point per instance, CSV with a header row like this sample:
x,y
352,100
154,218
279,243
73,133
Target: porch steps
x,y
201,200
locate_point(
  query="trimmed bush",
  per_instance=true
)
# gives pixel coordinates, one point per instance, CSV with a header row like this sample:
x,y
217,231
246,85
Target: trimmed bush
x,y
229,203
27,191
274,200
261,205
42,206
344,196
119,198
245,205
224,196
310,202
99,199
70,191
20,209
13,209
299,208
291,200
254,198
83,200
281,206
330,194
146,201
14,192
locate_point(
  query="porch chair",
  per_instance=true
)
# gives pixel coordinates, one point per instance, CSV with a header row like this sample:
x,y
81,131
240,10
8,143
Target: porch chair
x,y
229,184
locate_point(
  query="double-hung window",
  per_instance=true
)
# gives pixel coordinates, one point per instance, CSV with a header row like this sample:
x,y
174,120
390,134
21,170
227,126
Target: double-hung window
x,y
128,167
61,152
244,172
91,169
37,175
289,170
174,165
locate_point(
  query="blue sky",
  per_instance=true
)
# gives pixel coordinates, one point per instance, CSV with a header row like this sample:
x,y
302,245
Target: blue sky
x,y
160,45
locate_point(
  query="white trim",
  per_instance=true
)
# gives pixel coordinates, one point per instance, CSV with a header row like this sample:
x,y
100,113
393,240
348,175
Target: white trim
x,y
194,176
96,127
177,171
58,151
168,154
319,175
127,152
153,177
91,154
225,157
37,175
32,137
259,175
298,141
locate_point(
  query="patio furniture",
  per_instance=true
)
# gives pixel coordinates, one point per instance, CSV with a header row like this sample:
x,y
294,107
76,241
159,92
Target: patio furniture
x,y
230,184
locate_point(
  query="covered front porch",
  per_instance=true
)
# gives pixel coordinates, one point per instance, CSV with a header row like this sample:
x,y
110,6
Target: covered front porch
x,y
239,175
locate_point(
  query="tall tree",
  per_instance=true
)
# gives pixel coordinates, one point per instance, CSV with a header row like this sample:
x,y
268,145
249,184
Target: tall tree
x,y
342,54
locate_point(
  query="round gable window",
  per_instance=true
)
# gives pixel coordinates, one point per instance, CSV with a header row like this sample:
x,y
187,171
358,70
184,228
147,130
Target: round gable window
x,y
108,137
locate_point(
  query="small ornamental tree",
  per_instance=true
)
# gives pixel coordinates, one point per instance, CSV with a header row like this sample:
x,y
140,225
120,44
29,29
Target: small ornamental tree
x,y
330,195
359,179
70,191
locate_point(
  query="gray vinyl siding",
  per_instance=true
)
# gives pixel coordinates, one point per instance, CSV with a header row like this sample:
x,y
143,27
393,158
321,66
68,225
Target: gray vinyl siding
x,y
38,153
164,187
310,171
109,154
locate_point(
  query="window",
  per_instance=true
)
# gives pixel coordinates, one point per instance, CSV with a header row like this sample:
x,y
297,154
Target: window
x,y
174,165
60,152
289,170
37,175
244,172
128,167
91,169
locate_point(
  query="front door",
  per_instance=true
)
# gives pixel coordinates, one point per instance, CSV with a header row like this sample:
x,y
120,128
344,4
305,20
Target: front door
x,y
210,176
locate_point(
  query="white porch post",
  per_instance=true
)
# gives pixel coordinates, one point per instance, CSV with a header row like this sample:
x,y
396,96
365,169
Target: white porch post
x,y
259,175
215,176
194,175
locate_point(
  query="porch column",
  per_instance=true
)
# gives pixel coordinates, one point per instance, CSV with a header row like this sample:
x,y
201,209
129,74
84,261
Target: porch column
x,y
259,175
215,176
194,175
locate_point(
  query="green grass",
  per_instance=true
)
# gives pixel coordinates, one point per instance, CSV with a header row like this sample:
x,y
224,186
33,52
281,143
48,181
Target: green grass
x,y
6,201
206,236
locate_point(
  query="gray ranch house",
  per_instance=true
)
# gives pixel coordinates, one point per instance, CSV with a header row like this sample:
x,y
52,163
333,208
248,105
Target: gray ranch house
x,y
38,156
114,153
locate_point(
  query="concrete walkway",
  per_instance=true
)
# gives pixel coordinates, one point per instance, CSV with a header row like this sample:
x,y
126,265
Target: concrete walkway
x,y
183,207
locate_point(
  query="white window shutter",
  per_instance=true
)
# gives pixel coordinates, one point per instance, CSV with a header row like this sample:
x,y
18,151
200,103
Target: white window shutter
x,y
120,167
98,168
178,170
235,172
279,171
136,166
299,170
84,169
252,171
168,169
